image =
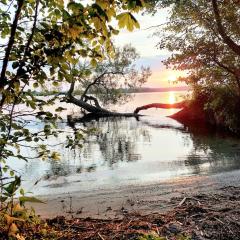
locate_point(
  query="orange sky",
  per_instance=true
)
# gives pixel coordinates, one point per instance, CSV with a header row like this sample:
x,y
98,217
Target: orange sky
x,y
164,78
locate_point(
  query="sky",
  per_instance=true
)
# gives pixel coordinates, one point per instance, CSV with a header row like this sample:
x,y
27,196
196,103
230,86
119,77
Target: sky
x,y
145,43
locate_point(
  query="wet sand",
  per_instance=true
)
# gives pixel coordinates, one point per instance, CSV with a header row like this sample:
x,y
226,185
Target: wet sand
x,y
112,203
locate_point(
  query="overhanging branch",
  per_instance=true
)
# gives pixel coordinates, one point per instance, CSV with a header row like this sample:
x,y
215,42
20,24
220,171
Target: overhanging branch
x,y
10,43
231,44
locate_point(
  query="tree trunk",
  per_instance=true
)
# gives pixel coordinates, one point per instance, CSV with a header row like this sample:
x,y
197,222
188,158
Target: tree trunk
x,y
161,105
222,31
10,43
98,111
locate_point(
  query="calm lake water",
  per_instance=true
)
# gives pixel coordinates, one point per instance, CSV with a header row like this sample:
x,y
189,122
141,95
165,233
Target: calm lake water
x,y
129,152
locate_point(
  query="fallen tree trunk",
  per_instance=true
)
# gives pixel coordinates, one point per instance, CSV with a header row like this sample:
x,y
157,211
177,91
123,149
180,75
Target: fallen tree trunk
x,y
95,109
161,105
91,105
190,112
102,112
98,111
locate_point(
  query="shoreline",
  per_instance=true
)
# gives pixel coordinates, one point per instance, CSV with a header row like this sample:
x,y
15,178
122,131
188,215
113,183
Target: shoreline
x,y
144,199
197,217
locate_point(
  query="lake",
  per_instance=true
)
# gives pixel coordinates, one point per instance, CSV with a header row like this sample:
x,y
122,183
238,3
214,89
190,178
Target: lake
x,y
127,151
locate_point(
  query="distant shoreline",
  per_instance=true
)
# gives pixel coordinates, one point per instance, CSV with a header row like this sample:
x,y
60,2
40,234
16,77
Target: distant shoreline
x,y
139,90
166,89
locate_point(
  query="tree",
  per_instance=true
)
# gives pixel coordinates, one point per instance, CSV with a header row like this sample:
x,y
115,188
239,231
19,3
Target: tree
x,y
107,82
40,41
232,44
203,37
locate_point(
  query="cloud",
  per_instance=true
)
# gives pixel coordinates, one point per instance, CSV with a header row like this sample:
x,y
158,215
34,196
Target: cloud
x,y
142,39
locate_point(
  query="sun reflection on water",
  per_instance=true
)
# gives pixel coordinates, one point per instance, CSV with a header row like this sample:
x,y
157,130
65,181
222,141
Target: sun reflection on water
x,y
171,97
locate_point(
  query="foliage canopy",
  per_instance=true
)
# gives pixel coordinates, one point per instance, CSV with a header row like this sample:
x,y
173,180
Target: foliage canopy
x,y
203,37
40,42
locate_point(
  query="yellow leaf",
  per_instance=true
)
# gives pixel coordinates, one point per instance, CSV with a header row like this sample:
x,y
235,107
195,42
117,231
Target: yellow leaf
x,y
18,208
97,23
127,20
136,24
111,13
94,43
13,230
19,237
74,31
101,40
56,156
60,2
44,232
10,219
102,3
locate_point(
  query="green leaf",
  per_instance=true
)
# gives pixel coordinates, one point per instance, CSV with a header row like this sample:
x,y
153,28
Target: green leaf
x,y
55,83
93,62
24,199
35,85
3,199
59,109
13,186
75,7
15,65
11,173
21,191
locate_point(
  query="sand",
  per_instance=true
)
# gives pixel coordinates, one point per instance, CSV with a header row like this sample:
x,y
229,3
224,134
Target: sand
x,y
112,203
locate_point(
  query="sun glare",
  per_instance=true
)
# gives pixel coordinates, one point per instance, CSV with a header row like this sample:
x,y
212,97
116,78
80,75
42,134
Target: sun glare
x,y
172,78
174,75
171,98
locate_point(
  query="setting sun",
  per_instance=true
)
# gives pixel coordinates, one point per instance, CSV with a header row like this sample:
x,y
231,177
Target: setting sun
x,y
173,75
172,78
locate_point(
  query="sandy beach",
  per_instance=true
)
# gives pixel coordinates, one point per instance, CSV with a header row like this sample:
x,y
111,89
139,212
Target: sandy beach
x,y
143,199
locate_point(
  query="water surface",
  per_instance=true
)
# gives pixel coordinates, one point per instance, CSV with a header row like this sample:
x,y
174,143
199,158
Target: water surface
x,y
127,151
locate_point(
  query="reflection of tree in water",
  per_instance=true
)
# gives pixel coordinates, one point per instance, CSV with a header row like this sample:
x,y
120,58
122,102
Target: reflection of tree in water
x,y
212,151
122,140
117,139
70,163
114,141
58,169
64,169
